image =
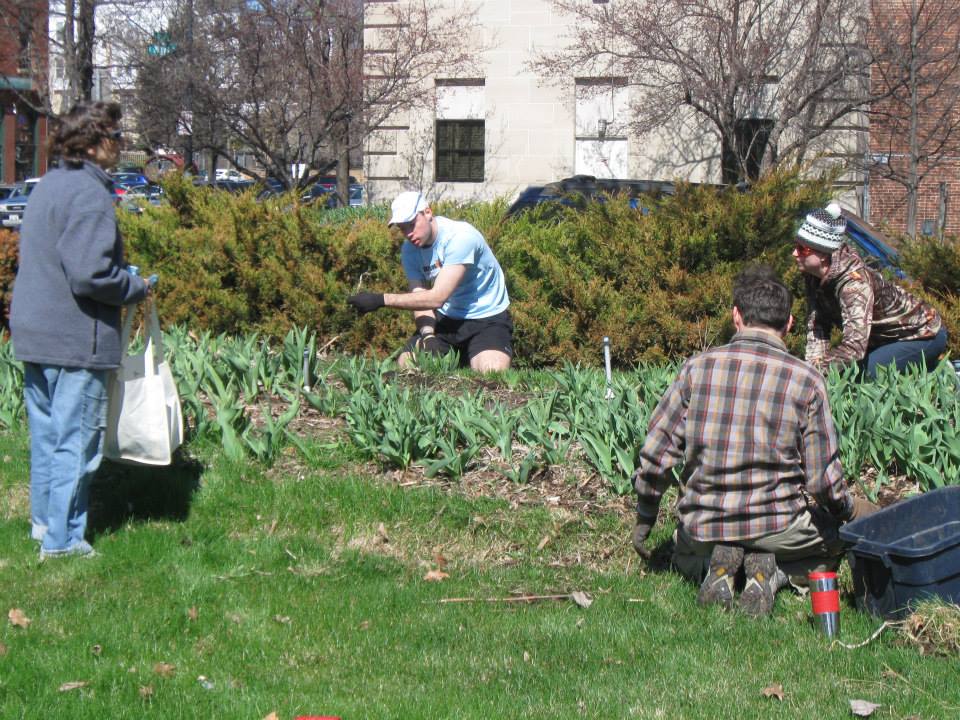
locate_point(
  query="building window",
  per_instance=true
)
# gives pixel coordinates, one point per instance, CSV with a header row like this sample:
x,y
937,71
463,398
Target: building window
x,y
600,142
460,150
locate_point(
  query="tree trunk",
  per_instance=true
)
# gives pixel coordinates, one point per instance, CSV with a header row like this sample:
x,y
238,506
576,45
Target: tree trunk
x,y
913,169
343,164
71,76
86,31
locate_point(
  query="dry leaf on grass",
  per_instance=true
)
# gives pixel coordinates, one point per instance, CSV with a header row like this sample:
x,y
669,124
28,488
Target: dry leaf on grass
x,y
526,656
435,576
193,614
96,650
773,691
18,619
440,560
146,691
75,685
581,598
272,716
382,533
164,669
543,543
862,708
282,619
3,649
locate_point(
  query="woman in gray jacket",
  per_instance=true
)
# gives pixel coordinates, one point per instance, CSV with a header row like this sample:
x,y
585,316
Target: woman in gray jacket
x,y
65,321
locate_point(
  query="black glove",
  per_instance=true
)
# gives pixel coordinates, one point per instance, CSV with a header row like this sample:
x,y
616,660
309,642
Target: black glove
x,y
431,344
366,302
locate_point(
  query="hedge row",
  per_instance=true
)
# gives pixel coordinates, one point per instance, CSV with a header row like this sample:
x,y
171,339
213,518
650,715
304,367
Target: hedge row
x,y
658,283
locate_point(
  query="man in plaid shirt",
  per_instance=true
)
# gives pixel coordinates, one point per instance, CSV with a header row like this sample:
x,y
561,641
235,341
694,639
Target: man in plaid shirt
x,y
750,426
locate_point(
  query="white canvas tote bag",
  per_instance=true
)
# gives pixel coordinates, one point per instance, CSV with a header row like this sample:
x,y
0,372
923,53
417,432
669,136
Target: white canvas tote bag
x,y
144,422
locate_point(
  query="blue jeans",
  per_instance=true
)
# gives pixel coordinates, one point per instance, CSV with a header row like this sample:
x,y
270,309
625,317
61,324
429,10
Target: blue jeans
x,y
901,354
66,409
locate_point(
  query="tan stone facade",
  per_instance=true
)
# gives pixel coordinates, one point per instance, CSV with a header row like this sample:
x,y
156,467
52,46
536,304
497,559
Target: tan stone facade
x,y
535,132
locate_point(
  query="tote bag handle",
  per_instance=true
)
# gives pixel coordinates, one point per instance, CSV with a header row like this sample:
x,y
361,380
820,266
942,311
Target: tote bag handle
x,y
153,350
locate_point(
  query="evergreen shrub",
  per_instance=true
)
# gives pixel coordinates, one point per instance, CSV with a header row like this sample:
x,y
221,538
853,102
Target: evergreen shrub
x,y
656,281
9,246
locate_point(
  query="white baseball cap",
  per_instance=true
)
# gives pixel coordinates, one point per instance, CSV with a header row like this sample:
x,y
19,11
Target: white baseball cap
x,y
406,206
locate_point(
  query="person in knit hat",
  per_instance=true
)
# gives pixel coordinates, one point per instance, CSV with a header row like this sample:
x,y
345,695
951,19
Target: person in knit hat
x,y
882,323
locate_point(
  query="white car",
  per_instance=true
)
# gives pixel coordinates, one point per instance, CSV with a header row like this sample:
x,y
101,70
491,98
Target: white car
x,y
12,207
228,174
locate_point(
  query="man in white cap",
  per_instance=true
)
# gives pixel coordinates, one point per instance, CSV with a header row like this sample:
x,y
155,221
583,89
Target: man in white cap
x,y
457,291
882,323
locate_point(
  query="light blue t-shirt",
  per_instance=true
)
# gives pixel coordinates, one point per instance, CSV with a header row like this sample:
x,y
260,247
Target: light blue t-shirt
x,y
482,291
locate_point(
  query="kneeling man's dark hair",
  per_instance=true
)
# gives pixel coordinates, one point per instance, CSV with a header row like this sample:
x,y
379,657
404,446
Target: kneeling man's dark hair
x,y
762,298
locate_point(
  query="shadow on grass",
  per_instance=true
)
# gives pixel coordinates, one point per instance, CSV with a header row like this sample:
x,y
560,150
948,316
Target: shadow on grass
x,y
660,557
122,493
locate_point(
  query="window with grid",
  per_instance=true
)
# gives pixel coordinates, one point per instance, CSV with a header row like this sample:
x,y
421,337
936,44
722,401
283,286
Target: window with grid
x,y
460,151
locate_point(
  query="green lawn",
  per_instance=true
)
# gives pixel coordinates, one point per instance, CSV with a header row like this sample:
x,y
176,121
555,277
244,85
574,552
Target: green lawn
x,y
226,591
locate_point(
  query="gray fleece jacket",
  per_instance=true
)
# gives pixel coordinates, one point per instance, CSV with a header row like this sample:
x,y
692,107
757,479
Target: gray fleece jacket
x,y
72,278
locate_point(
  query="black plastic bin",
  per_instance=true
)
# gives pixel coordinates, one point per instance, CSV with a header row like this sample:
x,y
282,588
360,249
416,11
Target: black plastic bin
x,y
906,552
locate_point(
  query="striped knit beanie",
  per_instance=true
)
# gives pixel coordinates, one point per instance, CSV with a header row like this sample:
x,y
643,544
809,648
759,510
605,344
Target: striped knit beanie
x,y
823,230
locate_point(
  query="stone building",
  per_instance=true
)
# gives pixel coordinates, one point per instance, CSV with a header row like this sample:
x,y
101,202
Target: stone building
x,y
493,134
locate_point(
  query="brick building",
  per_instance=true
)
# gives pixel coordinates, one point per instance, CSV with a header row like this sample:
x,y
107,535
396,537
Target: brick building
x,y
23,68
937,29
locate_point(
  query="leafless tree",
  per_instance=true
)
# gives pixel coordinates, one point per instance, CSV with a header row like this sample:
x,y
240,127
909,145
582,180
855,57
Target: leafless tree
x,y
765,78
293,81
916,126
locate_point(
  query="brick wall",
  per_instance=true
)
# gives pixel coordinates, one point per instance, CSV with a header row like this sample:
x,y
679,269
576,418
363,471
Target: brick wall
x,y
890,137
23,66
23,20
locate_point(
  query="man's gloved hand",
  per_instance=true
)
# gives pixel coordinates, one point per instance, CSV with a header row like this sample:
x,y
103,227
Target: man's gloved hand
x,y
861,508
430,343
641,531
366,302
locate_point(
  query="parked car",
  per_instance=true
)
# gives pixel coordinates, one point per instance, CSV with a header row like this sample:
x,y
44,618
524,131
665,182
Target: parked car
x,y
875,248
6,190
327,195
12,207
129,178
137,196
579,189
270,187
228,174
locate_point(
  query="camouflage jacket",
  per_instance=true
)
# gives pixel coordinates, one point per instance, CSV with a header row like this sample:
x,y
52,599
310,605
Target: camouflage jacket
x,y
871,311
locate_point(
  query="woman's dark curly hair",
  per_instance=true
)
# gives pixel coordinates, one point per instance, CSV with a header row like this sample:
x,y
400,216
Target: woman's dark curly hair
x,y
83,128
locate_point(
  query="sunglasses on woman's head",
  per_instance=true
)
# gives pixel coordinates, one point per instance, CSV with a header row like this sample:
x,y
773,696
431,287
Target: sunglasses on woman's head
x,y
804,251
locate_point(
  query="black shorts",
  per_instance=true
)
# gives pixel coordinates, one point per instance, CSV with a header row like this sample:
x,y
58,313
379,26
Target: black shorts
x,y
468,337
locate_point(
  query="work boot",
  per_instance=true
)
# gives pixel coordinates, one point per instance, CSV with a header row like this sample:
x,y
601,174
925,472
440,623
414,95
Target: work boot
x,y
717,587
763,581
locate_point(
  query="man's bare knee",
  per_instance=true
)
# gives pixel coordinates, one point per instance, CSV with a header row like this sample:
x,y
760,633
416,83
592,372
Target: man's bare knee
x,y
490,361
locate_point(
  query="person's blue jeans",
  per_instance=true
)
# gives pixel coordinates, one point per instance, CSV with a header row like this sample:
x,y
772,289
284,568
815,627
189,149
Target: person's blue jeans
x,y
907,352
66,409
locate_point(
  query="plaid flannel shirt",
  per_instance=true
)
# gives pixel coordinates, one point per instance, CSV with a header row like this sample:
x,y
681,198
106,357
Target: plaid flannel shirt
x,y
751,425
